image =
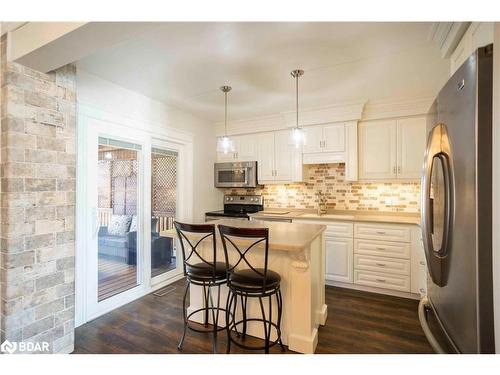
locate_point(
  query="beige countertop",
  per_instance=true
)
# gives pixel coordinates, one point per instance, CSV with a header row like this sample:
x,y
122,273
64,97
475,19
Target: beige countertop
x,y
337,215
282,236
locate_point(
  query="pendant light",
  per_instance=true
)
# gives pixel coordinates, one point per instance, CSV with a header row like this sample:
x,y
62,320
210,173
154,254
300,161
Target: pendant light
x,y
224,143
297,135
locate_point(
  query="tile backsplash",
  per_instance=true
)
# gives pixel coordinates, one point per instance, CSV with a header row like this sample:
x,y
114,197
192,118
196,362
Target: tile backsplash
x,y
339,194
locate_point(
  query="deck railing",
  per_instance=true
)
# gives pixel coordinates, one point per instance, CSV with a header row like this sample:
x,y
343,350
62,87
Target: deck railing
x,y
163,222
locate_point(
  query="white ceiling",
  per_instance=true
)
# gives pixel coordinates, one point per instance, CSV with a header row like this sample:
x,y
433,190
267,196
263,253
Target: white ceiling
x,y
183,64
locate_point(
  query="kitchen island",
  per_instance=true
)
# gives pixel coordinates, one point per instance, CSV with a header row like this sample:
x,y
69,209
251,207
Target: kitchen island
x,y
297,253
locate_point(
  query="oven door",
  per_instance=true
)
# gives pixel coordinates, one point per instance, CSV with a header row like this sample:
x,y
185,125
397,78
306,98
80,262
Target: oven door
x,y
227,175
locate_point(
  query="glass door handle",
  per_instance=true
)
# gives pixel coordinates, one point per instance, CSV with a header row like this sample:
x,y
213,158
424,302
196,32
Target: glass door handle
x,y
96,221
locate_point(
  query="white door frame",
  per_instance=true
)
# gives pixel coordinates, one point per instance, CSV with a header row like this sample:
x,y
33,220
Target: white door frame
x,y
496,185
113,126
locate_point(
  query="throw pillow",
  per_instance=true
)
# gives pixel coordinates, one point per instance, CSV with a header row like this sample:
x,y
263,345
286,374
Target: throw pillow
x,y
133,225
119,224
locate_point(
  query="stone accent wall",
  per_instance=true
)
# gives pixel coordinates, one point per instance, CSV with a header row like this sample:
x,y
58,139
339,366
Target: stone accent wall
x,y
38,141
340,194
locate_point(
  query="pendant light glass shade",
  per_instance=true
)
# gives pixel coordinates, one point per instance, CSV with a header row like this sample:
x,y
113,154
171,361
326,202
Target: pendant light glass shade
x,y
297,134
298,137
225,144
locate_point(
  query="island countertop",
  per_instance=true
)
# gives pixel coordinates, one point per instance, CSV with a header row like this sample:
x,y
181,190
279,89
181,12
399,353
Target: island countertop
x,y
282,236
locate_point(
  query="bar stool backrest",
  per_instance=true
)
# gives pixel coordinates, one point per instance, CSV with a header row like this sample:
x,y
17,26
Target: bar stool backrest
x,y
230,235
191,254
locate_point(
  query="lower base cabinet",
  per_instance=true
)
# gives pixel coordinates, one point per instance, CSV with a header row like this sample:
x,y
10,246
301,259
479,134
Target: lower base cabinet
x,y
339,259
387,257
382,280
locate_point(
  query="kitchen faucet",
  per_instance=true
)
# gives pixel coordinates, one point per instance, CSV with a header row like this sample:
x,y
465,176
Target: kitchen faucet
x,y
321,203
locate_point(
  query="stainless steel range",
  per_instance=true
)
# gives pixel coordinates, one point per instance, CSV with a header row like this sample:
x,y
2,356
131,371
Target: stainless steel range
x,y
237,207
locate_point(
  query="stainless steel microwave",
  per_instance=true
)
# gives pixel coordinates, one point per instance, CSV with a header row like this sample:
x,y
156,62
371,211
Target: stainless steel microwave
x,y
242,174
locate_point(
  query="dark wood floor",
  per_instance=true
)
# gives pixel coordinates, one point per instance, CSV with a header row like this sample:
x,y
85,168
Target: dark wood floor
x,y
358,322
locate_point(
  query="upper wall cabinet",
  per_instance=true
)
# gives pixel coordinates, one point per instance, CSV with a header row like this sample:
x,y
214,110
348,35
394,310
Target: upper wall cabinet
x,y
332,143
245,149
278,161
325,138
391,149
479,34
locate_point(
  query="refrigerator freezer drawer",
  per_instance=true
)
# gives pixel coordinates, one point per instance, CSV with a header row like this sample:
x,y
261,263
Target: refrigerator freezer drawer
x,y
380,264
382,280
382,248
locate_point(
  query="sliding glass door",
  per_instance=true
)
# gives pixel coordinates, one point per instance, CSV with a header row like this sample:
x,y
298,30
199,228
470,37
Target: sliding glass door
x,y
130,198
118,248
164,211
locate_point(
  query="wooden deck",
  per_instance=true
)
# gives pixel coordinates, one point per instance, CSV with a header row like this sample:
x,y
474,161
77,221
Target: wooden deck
x,y
358,322
116,277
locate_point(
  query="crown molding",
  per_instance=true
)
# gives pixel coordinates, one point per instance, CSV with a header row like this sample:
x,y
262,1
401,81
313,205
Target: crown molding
x,y
380,109
447,35
322,115
352,111
251,125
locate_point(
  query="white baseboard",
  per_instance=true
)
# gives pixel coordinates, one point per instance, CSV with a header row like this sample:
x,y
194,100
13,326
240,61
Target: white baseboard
x,y
371,289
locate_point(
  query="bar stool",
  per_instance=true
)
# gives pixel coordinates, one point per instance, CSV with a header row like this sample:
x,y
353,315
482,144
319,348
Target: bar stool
x,y
201,271
256,281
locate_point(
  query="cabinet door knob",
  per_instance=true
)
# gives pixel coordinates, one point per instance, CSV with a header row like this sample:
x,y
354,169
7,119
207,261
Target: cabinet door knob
x,y
381,280
399,169
380,248
422,290
422,263
381,264
394,170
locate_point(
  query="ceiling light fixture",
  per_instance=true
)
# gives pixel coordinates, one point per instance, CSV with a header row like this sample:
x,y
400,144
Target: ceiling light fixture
x,y
224,143
297,135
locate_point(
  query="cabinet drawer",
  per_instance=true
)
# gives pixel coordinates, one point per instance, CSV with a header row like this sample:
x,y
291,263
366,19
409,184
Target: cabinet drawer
x,y
382,248
380,264
383,232
382,280
339,230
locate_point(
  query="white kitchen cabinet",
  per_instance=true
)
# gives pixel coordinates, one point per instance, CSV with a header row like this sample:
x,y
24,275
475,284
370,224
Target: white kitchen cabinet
x,y
479,34
245,149
333,143
334,138
325,139
377,150
339,259
385,258
410,147
265,164
278,161
284,157
314,139
418,264
392,149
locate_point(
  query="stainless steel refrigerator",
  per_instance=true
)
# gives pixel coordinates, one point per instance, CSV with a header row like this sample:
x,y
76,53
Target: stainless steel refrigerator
x,y
457,314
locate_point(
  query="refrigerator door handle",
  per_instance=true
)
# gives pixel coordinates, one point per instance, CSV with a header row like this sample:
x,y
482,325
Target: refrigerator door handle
x,y
423,308
438,147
